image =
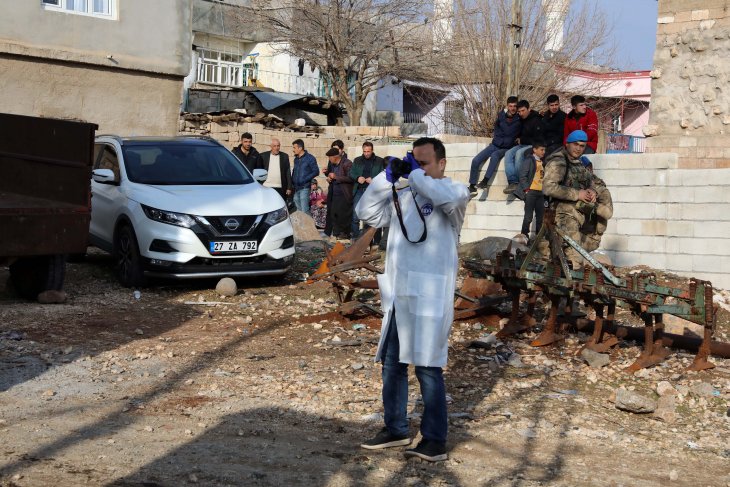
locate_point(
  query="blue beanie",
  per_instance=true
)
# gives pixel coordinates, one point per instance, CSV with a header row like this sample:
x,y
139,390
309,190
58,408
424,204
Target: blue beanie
x,y
577,136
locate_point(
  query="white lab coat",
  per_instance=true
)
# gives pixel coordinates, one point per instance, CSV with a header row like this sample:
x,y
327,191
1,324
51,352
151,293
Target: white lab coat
x,y
419,279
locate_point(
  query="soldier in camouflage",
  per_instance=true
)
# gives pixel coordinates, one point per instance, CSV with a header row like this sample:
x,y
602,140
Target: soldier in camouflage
x,y
571,187
595,223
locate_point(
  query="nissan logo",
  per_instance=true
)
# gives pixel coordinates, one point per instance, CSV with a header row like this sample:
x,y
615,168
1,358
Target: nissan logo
x,y
231,224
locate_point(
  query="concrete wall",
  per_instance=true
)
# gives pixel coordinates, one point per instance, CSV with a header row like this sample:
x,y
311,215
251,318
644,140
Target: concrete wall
x,y
57,64
121,102
690,112
665,217
145,36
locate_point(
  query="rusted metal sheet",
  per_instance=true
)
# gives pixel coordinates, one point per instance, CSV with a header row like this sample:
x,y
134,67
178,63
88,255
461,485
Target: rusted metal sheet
x,y
45,177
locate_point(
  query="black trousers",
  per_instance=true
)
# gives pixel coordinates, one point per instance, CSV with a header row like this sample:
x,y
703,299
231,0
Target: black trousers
x,y
340,214
534,203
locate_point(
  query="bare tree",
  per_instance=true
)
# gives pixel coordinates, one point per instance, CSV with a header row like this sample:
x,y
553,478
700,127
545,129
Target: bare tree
x,y
355,44
474,59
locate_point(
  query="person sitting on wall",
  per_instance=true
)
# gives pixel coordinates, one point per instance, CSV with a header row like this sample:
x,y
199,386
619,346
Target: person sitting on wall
x,y
582,118
506,131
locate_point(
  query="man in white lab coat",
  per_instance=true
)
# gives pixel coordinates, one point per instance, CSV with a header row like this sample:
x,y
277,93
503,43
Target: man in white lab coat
x,y
416,289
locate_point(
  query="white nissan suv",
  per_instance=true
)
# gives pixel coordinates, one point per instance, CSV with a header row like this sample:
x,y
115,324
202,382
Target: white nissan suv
x,y
185,207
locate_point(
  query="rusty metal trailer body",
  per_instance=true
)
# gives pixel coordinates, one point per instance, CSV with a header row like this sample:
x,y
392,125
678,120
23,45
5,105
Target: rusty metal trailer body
x,y
45,175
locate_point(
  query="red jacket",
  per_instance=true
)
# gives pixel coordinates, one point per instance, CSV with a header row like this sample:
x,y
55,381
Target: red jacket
x,y
588,123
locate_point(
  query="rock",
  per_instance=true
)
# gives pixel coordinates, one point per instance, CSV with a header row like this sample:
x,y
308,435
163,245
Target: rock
x,y
317,326
226,287
595,359
304,229
633,402
139,331
357,366
52,297
49,393
656,74
515,361
650,130
488,248
673,475
666,409
664,388
702,389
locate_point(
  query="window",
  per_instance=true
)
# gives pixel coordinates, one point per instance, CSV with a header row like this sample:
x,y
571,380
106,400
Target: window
x,y
225,68
95,8
107,159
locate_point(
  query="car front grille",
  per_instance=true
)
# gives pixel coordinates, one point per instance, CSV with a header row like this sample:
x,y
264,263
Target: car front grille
x,y
234,225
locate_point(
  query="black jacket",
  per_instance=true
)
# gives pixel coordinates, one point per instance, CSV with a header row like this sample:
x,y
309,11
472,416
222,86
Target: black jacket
x,y
532,128
506,130
284,167
554,124
252,160
527,172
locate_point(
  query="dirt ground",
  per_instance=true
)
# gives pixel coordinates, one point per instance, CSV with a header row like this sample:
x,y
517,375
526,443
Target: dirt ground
x,y
270,387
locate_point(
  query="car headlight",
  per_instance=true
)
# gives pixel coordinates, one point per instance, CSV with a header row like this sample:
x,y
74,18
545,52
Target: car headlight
x,y
169,217
277,216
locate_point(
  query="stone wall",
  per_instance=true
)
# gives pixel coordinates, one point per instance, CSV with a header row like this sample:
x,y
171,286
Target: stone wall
x,y
690,100
229,132
665,217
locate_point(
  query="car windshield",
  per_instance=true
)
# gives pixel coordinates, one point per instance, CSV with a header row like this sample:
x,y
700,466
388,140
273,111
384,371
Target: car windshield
x,y
183,164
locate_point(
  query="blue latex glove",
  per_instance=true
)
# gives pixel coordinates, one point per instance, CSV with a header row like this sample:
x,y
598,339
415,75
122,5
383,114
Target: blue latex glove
x,y
413,162
585,161
389,170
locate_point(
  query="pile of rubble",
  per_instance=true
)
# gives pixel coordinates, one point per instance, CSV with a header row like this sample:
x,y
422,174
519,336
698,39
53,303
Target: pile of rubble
x,y
199,123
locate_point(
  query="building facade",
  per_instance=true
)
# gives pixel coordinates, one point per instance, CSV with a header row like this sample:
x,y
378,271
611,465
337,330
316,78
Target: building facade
x,y
117,63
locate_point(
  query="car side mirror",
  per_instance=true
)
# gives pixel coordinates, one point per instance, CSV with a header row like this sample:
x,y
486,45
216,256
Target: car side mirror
x,y
260,175
103,176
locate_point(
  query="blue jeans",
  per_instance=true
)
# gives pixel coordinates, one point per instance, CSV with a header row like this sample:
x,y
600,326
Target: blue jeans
x,y
494,154
511,169
301,200
434,422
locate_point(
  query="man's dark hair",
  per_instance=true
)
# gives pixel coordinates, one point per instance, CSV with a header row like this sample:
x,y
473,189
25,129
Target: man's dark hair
x,y
339,144
367,143
552,98
298,142
523,104
438,146
574,100
246,135
511,99
538,143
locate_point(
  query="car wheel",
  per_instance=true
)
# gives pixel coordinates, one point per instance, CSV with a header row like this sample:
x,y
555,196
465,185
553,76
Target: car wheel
x,y
129,262
33,275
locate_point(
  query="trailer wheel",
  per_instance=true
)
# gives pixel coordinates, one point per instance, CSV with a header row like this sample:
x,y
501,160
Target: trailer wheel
x,y
33,275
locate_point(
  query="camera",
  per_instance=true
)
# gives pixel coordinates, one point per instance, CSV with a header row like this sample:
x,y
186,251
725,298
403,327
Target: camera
x,y
399,168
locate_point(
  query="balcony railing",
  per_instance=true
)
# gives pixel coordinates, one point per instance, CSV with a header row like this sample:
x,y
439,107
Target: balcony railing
x,y
625,144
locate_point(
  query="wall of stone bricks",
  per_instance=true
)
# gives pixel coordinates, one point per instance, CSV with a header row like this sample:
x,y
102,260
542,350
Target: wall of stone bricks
x,y
690,99
665,217
229,133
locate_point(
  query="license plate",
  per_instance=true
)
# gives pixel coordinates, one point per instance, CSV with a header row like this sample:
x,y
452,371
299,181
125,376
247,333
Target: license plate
x,y
237,246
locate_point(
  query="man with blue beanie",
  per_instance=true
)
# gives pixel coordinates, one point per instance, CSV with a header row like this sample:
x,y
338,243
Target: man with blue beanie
x,y
571,185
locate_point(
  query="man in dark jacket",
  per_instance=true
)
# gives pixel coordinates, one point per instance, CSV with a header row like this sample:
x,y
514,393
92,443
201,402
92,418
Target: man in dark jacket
x,y
279,176
364,168
506,130
339,194
305,169
582,118
554,122
247,153
531,130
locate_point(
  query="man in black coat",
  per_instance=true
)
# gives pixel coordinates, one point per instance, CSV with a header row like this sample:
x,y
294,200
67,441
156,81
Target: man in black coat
x,y
247,153
277,165
554,123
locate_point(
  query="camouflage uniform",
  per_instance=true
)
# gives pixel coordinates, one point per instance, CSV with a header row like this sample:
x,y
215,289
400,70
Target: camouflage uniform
x,y
595,224
564,178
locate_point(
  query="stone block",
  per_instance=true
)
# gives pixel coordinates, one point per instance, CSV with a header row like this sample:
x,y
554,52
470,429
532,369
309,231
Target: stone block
x,y
671,245
703,14
688,141
710,263
680,229
646,244
684,16
665,20
634,211
626,226
616,243
704,212
704,246
707,229
654,227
